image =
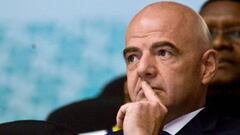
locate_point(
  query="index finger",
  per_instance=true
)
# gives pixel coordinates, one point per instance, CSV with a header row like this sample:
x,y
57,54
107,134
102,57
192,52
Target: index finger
x,y
149,92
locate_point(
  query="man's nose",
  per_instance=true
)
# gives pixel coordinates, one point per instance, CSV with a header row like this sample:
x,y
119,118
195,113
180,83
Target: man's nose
x,y
220,42
147,67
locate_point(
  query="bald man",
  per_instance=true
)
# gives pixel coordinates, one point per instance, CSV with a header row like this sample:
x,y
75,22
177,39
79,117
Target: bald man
x,y
170,63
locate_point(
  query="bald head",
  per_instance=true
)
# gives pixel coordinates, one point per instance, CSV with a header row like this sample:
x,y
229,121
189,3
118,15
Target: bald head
x,y
173,17
167,45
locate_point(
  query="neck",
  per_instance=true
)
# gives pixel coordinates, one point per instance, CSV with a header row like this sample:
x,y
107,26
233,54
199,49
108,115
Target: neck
x,y
180,112
218,90
223,95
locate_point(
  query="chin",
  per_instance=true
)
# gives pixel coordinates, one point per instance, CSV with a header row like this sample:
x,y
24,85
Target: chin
x,y
224,84
224,78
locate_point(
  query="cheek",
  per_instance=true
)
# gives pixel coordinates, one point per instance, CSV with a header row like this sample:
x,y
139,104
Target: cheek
x,y
131,81
171,82
173,76
179,90
237,53
130,90
178,81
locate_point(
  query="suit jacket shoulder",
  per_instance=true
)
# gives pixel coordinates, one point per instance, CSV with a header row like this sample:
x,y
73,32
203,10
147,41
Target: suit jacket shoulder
x,y
208,122
212,122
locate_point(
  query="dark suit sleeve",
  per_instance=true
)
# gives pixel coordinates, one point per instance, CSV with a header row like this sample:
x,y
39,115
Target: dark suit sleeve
x,y
33,127
109,132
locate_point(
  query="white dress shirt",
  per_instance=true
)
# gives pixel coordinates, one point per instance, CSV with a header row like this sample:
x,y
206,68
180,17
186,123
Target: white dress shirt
x,y
172,127
176,125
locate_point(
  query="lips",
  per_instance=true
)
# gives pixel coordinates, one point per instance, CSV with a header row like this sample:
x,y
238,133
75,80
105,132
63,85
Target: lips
x,y
225,62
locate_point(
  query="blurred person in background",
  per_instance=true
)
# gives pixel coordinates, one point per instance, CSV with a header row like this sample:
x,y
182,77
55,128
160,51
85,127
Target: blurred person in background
x,y
223,20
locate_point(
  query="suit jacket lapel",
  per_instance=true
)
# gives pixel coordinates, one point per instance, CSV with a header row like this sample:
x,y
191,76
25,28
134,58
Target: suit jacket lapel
x,y
203,123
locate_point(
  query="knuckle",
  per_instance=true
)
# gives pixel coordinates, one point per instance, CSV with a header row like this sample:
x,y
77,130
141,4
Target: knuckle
x,y
140,105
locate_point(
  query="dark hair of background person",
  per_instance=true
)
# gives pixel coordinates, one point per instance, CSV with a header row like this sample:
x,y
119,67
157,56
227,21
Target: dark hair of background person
x,y
223,97
210,1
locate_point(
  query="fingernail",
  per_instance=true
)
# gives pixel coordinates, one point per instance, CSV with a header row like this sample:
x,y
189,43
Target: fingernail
x,y
144,82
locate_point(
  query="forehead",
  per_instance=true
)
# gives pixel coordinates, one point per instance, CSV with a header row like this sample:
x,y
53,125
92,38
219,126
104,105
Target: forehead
x,y
156,20
167,24
225,12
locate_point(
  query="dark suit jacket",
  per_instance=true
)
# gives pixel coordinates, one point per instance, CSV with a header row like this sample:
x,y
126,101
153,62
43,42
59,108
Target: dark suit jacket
x,y
34,127
208,122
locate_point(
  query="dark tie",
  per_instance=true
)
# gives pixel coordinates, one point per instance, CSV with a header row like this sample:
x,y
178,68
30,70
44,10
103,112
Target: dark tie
x,y
164,133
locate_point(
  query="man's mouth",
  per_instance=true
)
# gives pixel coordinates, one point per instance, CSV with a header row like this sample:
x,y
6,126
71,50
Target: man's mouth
x,y
225,62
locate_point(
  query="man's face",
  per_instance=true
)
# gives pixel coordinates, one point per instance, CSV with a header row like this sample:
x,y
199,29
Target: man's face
x,y
161,51
223,20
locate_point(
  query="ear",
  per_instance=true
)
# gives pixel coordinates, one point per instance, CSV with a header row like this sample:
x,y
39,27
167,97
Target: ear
x,y
209,66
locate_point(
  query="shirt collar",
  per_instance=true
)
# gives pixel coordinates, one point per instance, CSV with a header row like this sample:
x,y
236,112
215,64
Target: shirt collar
x,y
175,125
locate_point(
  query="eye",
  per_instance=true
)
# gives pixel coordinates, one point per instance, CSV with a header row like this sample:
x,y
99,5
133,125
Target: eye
x,y
213,33
164,53
132,58
234,35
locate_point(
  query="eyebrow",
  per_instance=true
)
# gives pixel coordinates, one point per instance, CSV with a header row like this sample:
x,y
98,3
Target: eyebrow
x,y
130,49
164,44
227,23
154,46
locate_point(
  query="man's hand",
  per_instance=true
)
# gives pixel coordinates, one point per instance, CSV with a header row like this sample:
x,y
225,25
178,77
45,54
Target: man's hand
x,y
142,117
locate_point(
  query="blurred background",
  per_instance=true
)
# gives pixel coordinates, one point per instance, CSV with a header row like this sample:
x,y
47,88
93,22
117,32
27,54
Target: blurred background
x,y
55,52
